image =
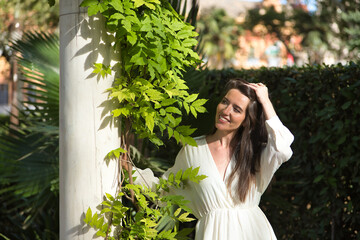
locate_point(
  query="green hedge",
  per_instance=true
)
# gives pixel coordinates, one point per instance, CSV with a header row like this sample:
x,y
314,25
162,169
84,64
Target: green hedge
x,y
316,195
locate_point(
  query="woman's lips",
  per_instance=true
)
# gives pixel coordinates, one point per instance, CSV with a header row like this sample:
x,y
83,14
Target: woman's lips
x,y
223,119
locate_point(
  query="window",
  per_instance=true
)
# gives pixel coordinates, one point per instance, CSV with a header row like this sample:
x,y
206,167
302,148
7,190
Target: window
x,y
4,94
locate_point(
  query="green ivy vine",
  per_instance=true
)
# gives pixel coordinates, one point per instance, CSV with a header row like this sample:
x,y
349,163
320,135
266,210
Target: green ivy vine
x,y
146,219
155,46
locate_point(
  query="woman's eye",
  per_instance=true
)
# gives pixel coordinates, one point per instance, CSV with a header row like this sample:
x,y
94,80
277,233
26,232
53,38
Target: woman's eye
x,y
237,110
224,101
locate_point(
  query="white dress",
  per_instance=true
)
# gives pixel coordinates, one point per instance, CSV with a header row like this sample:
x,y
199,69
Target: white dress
x,y
221,216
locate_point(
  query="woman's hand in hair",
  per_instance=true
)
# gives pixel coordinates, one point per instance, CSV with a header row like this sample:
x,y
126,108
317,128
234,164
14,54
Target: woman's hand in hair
x,y
263,97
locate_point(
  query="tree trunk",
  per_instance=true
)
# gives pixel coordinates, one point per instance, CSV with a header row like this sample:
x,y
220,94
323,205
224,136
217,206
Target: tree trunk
x,y
87,131
279,36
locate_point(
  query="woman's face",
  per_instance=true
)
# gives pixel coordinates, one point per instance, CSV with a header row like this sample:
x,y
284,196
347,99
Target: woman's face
x,y
231,111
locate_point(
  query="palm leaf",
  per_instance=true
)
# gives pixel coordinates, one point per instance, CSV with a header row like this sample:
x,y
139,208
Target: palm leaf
x,y
29,152
190,15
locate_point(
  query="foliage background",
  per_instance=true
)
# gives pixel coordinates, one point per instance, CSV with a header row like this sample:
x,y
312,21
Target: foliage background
x,y
315,194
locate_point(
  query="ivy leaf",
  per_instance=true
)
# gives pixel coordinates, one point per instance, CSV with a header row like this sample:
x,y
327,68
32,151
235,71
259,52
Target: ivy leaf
x,y
170,132
177,121
171,119
146,27
149,5
127,25
154,94
191,98
177,136
167,235
178,176
171,177
105,210
120,95
185,130
155,1
87,3
162,112
149,121
163,65
199,102
104,229
132,38
151,71
88,216
93,10
189,42
116,152
176,26
99,223
168,102
186,174
121,111
187,108
173,110
193,111
184,217
102,69
94,220
156,141
201,109
190,141
118,6
138,58
194,177
183,34
101,233
177,212
138,3
117,16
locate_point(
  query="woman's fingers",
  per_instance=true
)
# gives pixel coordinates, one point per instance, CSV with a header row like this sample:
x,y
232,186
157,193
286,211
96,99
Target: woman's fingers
x,y
261,91
263,97
258,87
257,84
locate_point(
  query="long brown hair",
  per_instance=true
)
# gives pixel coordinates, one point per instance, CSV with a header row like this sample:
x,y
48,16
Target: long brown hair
x,y
249,140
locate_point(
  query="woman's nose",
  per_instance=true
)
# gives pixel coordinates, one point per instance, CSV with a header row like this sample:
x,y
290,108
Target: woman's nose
x,y
227,109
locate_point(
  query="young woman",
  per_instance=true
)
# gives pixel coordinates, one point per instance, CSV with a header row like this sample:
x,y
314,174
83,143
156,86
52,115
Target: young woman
x,y
239,158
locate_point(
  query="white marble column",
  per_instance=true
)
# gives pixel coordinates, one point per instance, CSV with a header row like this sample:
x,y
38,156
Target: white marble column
x,y
86,134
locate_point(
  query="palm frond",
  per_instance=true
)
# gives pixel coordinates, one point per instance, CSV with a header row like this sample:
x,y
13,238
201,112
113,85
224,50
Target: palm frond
x,y
29,151
189,13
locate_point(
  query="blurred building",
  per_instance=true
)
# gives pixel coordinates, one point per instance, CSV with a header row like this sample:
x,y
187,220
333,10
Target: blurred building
x,y
258,47
5,86
233,8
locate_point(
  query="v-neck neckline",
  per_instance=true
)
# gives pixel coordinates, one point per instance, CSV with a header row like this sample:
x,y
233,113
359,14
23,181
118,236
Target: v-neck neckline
x,y
222,179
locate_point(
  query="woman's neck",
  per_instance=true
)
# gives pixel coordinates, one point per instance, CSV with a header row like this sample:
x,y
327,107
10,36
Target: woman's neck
x,y
222,139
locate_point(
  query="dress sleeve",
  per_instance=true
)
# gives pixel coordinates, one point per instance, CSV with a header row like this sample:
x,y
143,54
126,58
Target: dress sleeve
x,y
145,177
181,162
276,152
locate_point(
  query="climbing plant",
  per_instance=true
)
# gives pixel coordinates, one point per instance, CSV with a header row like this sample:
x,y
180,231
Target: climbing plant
x,y
145,219
155,46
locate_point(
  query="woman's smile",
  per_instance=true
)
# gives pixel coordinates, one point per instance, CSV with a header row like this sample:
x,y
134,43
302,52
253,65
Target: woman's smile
x,y
223,119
